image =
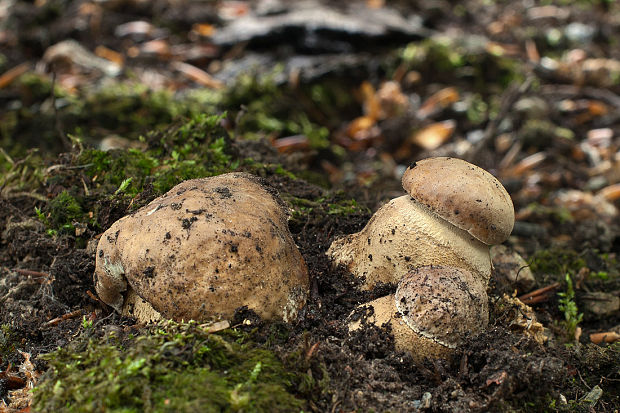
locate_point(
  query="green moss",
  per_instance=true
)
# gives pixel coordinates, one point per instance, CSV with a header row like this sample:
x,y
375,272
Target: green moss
x,y
345,207
172,367
557,262
113,167
63,212
461,57
23,175
7,344
337,204
196,148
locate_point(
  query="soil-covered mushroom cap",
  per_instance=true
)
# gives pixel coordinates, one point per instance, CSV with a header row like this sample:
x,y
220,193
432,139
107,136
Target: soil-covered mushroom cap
x,y
202,250
434,310
443,304
464,195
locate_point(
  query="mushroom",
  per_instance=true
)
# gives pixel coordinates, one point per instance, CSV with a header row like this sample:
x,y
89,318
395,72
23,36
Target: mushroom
x,y
202,250
453,212
434,310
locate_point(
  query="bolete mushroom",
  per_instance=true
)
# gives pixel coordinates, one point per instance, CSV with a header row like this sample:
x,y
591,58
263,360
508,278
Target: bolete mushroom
x,y
453,212
202,250
434,310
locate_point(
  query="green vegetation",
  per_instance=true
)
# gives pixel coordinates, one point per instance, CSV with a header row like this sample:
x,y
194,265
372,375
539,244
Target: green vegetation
x,y
7,346
557,262
172,367
196,148
469,57
337,204
568,307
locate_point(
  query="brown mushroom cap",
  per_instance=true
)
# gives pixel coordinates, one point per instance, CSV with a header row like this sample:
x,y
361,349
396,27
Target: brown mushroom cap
x,y
442,304
434,310
464,195
202,250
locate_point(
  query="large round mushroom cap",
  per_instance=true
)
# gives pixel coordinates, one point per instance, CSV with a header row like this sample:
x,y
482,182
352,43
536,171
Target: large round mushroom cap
x,y
202,250
463,194
442,304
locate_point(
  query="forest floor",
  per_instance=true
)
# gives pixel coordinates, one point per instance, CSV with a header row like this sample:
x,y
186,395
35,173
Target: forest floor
x,y
105,105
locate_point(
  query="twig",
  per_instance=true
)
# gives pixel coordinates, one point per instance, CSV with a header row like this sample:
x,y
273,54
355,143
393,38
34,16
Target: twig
x,y
589,92
510,96
32,273
64,317
312,350
539,295
57,122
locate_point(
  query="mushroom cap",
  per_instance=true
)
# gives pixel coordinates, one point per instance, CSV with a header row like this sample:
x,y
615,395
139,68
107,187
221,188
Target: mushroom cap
x,y
463,194
442,304
202,250
405,339
403,235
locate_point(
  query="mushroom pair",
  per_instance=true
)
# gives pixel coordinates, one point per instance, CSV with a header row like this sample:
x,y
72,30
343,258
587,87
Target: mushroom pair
x,y
202,250
453,212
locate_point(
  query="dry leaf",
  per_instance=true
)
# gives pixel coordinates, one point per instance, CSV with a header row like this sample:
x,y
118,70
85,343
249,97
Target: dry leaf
x,y
438,101
359,127
135,28
434,135
372,108
110,55
606,337
528,163
392,101
203,29
197,75
610,193
10,75
229,10
291,143
159,47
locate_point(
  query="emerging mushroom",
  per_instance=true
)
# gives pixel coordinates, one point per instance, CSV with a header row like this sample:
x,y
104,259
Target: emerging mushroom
x,y
202,250
453,212
434,309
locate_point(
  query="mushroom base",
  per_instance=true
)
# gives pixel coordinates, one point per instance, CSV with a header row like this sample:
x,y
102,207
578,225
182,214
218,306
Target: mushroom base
x,y
134,306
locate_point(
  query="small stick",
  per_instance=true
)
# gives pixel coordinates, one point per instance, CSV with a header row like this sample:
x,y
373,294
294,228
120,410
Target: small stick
x,y
64,317
312,350
537,299
93,296
510,96
31,273
525,298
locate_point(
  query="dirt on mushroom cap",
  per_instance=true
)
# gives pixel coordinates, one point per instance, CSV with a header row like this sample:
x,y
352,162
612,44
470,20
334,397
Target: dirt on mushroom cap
x,y
443,304
464,195
205,248
434,310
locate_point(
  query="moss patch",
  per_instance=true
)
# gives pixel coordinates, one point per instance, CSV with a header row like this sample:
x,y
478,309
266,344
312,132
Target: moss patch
x,y
172,367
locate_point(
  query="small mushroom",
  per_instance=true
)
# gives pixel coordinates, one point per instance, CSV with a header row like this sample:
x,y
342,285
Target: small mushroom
x,y
434,310
453,212
202,250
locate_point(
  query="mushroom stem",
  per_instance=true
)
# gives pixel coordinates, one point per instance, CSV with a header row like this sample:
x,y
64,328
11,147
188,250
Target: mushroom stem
x,y
404,235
